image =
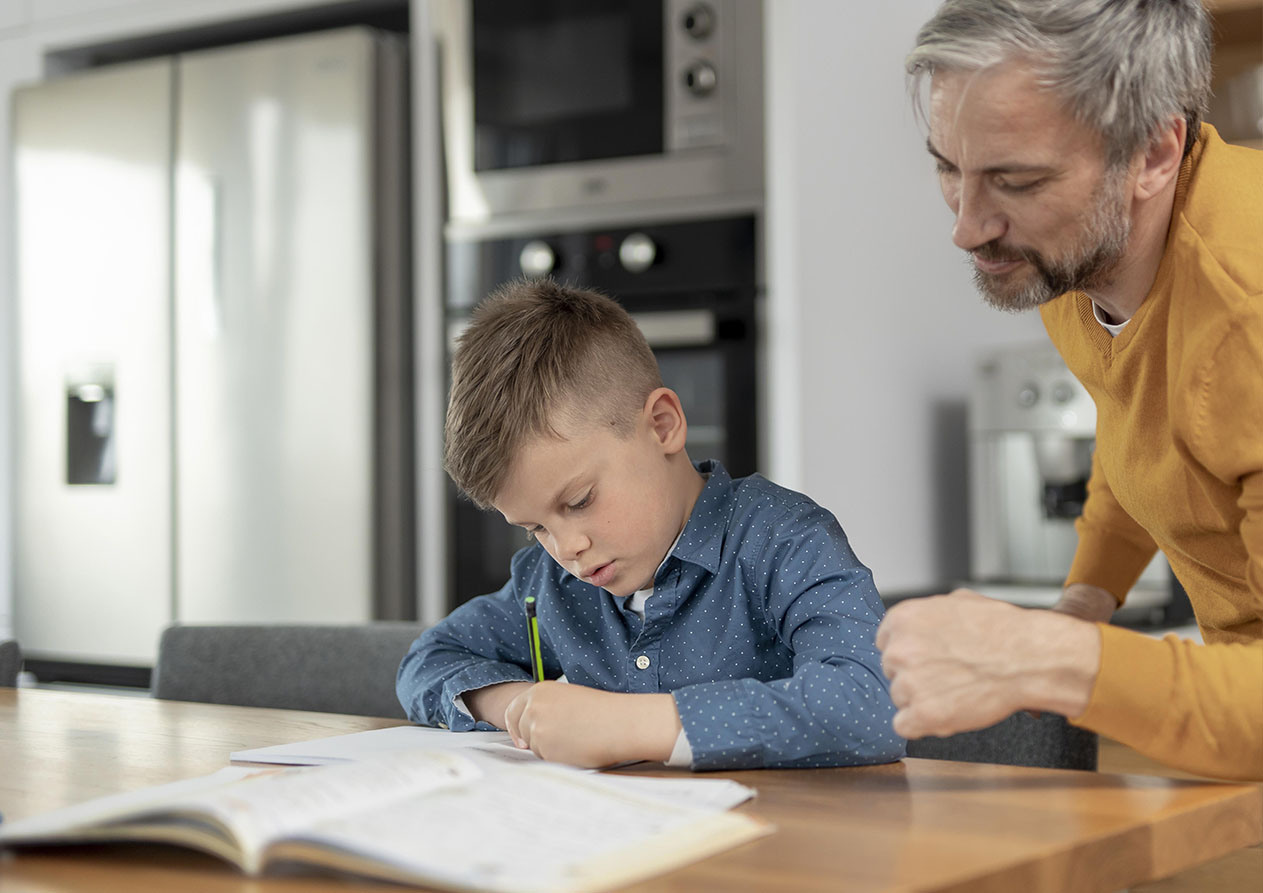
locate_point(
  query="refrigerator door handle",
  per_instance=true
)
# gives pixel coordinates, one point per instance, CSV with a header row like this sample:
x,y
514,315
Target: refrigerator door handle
x,y
216,309
199,259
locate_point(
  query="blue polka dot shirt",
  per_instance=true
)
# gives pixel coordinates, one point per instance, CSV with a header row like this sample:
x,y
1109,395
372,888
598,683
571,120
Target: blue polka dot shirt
x,y
761,626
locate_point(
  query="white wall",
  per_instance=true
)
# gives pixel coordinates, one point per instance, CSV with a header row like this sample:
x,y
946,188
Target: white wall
x,y
873,320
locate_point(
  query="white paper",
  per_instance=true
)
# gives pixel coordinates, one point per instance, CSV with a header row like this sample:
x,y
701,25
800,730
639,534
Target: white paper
x,y
157,798
541,827
460,819
702,793
365,745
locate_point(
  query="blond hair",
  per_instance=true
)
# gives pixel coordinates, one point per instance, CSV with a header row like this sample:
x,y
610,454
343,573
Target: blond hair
x,y
535,353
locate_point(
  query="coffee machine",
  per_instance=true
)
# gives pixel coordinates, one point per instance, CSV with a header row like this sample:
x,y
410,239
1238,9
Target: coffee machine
x,y
1032,429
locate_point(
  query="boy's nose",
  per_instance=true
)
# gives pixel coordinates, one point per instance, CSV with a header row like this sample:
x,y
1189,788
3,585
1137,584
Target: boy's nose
x,y
571,544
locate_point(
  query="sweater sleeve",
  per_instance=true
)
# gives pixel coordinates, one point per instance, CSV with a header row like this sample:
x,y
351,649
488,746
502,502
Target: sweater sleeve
x,y
1200,707
1195,707
1113,549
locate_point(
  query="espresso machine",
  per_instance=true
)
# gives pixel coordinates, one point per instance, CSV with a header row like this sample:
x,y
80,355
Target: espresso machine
x,y
1032,429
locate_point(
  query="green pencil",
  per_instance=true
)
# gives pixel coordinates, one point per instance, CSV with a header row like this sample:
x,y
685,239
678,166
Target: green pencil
x,y
532,633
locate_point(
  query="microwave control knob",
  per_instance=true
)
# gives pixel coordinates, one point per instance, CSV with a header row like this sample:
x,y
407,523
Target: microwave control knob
x,y
699,21
701,78
537,258
637,253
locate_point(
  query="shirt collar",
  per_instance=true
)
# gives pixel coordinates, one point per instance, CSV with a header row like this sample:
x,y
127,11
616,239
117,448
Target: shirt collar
x,y
702,541
1112,328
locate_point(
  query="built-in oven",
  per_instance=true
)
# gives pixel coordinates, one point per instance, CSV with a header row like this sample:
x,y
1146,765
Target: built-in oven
x,y
553,104
692,288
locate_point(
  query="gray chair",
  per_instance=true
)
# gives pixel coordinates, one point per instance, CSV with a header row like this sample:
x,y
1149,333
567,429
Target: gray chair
x,y
332,669
1021,740
10,663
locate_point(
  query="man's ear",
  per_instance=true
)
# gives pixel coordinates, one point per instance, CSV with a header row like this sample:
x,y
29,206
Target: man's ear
x,y
665,417
1161,162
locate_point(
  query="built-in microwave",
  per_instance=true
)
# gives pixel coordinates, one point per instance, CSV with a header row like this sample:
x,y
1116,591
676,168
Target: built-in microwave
x,y
587,104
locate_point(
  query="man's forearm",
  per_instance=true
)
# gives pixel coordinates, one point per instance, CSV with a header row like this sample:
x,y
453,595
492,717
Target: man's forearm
x,y
1087,602
1063,657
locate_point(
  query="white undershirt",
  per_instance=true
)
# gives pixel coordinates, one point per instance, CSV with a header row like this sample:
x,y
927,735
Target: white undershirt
x,y
1110,327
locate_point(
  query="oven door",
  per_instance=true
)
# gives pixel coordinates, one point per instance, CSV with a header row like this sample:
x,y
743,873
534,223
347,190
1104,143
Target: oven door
x,y
557,81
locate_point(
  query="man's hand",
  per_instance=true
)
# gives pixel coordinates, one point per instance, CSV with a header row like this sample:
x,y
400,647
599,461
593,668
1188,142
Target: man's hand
x,y
1087,602
960,662
591,728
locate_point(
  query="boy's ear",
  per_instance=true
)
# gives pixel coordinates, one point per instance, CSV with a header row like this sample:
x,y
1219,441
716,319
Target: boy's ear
x,y
665,416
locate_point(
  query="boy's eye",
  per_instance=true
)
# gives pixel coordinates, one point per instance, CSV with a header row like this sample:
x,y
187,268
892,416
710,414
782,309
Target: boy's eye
x,y
582,503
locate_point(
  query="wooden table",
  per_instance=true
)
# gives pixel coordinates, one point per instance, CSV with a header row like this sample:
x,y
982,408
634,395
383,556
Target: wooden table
x,y
1241,871
917,825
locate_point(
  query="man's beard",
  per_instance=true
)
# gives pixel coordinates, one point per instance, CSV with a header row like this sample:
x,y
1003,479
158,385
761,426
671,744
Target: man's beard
x,y
1089,263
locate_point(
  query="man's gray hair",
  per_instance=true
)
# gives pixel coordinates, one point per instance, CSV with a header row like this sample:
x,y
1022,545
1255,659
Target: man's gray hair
x,y
1122,67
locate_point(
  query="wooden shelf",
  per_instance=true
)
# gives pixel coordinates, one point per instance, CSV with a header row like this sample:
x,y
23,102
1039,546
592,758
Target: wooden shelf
x,y
1238,42
1218,6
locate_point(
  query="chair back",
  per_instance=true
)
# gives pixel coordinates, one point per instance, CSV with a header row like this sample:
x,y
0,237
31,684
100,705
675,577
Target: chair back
x,y
10,663
1047,741
332,669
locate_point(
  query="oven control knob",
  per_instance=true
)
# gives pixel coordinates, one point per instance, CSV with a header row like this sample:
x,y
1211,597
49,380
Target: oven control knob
x,y
637,253
698,21
537,258
701,78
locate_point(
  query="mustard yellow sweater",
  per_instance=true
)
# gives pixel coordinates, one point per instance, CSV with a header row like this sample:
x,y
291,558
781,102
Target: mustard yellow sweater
x,y
1179,466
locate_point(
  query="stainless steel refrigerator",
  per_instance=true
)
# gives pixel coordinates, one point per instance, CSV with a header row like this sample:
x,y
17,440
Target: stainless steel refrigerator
x,y
214,408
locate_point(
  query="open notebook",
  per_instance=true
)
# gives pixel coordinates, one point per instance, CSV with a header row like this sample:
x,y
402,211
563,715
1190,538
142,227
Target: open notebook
x,y
455,820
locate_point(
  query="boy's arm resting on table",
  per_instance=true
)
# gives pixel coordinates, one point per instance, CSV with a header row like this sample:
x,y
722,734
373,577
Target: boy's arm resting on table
x,y
480,644
835,709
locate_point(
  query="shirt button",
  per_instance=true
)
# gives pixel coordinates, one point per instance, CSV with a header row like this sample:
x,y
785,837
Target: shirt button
x,y
642,662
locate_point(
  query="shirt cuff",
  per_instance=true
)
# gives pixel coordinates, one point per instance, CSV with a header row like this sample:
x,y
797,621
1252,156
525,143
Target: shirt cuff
x,y
682,753
1121,706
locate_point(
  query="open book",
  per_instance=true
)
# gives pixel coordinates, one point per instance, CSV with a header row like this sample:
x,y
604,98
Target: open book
x,y
454,820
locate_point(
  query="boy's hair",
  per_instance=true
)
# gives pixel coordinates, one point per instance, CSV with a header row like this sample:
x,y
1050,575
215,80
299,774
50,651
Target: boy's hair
x,y
537,352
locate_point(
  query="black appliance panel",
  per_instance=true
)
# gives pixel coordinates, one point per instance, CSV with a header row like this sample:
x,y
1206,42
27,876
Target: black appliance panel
x,y
559,81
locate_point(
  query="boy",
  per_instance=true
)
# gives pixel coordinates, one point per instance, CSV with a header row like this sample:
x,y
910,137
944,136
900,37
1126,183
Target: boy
x,y
700,621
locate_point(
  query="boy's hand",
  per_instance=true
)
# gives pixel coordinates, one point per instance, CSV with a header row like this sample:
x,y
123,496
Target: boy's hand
x,y
591,728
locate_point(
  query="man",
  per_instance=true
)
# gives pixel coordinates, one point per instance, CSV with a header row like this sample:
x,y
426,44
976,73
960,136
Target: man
x,y
1069,146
